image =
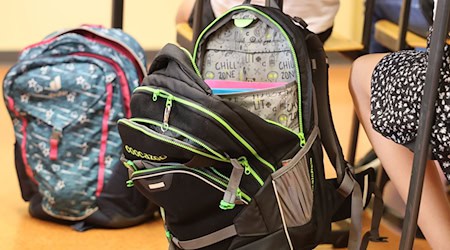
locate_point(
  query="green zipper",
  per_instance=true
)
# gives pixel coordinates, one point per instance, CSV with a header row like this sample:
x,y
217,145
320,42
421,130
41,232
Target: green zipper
x,y
196,171
196,106
219,173
301,132
284,127
184,134
249,170
192,61
178,144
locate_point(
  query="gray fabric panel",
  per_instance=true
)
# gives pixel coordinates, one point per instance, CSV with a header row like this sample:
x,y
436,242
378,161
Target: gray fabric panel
x,y
277,104
295,207
256,52
295,192
293,185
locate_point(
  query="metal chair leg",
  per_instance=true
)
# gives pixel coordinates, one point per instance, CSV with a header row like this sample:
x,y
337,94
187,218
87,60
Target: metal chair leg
x,y
426,120
117,14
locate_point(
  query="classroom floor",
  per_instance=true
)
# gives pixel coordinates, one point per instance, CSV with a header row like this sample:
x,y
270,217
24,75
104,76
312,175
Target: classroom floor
x,y
19,231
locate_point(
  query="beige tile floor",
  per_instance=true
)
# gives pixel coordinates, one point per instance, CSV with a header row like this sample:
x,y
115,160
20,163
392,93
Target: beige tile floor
x,y
19,231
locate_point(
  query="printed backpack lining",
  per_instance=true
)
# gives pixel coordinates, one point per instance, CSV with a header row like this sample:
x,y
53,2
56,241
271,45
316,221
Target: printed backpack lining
x,y
250,63
272,101
254,53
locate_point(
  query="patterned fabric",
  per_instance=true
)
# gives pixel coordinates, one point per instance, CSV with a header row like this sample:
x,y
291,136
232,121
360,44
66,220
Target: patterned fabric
x,y
231,49
396,93
275,104
65,95
257,52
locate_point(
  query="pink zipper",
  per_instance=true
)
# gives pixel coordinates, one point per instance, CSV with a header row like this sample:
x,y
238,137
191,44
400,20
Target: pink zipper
x,y
43,42
104,140
54,141
122,79
107,42
126,101
23,145
99,39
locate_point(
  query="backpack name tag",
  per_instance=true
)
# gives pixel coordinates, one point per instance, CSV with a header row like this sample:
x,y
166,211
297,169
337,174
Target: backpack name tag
x,y
156,185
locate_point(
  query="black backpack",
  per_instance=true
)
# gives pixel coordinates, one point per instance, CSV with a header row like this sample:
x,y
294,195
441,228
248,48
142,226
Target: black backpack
x,y
226,175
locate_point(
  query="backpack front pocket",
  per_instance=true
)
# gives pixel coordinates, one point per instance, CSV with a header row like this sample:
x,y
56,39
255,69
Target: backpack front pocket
x,y
159,145
186,195
278,104
293,187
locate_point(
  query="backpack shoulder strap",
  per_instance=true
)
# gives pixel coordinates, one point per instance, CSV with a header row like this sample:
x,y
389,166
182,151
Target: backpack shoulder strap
x,y
328,133
347,183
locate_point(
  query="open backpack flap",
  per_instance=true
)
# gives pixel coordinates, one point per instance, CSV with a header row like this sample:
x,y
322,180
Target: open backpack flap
x,y
64,96
229,141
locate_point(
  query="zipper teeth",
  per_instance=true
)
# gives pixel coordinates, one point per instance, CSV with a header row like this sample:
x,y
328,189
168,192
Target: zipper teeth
x,y
161,138
122,78
101,36
215,117
183,134
192,171
219,174
249,170
297,70
125,46
283,127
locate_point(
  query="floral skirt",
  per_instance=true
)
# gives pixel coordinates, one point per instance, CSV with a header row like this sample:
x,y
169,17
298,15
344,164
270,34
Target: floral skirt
x,y
396,93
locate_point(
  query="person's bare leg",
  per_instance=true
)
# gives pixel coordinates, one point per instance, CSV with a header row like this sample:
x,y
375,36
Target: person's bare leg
x,y
434,214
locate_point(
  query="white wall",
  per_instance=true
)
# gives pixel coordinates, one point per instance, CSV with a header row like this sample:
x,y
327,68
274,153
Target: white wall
x,y
23,22
151,22
349,20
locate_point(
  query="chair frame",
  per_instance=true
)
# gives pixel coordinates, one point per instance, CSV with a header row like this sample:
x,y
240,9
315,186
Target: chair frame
x,y
426,119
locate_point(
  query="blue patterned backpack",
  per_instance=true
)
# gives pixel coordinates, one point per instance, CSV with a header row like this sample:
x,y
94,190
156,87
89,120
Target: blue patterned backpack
x,y
64,97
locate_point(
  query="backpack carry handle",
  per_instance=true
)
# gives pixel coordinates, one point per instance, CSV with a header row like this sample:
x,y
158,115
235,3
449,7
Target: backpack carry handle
x,y
270,3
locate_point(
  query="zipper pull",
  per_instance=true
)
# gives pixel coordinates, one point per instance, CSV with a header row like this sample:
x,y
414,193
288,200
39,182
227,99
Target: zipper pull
x,y
155,95
130,183
231,195
54,141
244,163
302,139
130,165
167,110
248,170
